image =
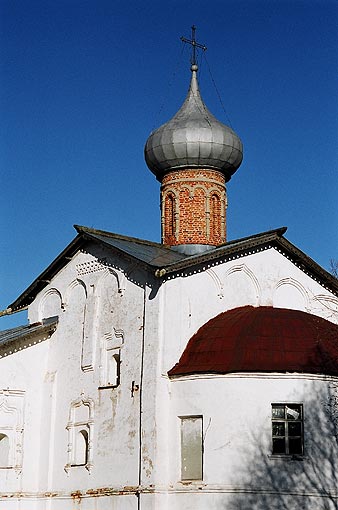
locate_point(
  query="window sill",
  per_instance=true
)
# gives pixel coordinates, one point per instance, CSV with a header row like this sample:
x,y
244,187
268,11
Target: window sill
x,y
192,482
285,457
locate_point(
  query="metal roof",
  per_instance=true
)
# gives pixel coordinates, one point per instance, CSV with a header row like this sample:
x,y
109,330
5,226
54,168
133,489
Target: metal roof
x,y
46,326
154,254
263,339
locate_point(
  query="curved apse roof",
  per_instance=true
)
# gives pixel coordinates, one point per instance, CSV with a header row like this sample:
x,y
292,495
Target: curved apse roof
x,y
263,339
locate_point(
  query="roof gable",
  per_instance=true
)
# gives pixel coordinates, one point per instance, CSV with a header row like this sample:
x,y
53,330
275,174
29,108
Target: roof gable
x,y
164,261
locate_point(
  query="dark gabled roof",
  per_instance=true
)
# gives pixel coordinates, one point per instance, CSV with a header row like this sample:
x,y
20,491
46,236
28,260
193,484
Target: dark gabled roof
x,y
252,244
152,254
47,326
149,254
163,260
263,339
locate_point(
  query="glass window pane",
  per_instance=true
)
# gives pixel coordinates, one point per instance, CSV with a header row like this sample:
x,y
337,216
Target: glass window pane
x,y
295,428
293,412
278,428
278,445
295,445
278,411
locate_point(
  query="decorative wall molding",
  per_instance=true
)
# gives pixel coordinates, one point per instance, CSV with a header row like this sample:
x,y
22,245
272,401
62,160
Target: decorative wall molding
x,y
252,277
91,266
217,281
298,286
12,426
75,283
50,294
74,426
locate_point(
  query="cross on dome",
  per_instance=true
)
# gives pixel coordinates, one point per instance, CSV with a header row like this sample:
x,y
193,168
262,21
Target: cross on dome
x,y
194,45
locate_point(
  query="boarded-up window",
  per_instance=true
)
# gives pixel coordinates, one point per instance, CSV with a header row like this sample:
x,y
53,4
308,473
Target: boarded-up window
x,y
192,448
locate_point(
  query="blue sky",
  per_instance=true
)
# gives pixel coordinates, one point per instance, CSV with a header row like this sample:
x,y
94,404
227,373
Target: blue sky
x,y
83,83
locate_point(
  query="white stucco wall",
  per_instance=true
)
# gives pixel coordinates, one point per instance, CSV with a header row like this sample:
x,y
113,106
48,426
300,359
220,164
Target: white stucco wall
x,y
106,303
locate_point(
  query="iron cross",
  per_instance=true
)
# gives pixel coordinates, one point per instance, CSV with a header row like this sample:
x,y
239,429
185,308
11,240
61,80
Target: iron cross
x,y
194,44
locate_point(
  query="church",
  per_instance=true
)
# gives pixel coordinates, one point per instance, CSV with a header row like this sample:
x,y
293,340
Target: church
x,y
196,373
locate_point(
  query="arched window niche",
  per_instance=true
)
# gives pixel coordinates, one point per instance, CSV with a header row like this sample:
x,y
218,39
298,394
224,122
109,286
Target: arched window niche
x,y
215,216
111,346
4,451
80,434
170,215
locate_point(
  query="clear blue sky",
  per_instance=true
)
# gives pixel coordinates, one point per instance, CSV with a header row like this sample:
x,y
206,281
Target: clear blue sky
x,y
83,83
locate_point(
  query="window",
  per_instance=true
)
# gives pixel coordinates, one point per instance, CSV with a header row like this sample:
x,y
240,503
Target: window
x,y
192,448
80,434
287,429
111,359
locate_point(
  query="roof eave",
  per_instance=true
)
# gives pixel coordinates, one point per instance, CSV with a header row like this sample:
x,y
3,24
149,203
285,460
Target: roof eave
x,y
275,239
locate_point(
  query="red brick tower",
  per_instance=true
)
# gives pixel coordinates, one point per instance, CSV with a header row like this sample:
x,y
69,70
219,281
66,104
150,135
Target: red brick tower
x,y
193,155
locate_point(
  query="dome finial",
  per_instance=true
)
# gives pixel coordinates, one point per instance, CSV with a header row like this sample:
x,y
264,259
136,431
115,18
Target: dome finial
x,y
194,44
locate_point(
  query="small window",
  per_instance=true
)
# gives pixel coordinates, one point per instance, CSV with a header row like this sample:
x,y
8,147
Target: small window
x,y
113,368
192,448
287,429
80,434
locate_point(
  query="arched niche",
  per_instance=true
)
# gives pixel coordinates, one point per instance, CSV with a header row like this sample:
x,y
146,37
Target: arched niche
x,y
289,293
50,304
109,302
241,287
76,296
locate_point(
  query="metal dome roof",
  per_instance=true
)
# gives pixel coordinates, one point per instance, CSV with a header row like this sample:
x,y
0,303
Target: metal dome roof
x,y
193,138
262,339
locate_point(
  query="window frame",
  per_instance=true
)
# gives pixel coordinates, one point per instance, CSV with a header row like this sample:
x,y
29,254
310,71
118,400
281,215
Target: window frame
x,y
183,478
286,420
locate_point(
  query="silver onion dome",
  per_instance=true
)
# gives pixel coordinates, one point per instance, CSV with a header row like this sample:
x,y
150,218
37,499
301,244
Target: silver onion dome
x,y
193,138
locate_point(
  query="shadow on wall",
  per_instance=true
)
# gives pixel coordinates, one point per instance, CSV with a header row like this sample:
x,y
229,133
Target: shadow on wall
x,y
308,482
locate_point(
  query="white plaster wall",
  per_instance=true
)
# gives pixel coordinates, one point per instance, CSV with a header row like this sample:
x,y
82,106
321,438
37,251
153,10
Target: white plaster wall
x,y
94,302
22,374
135,434
239,471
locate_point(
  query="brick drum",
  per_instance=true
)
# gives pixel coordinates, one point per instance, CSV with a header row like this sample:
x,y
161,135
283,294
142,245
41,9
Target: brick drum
x,y
193,205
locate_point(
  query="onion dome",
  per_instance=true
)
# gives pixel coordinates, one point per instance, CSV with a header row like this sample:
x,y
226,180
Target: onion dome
x,y
263,339
193,138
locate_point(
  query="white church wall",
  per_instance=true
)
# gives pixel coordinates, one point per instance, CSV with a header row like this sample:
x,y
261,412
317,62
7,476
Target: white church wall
x,y
239,469
22,369
101,322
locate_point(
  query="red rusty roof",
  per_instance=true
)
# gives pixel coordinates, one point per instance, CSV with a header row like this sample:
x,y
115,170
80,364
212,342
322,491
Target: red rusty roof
x,y
263,339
